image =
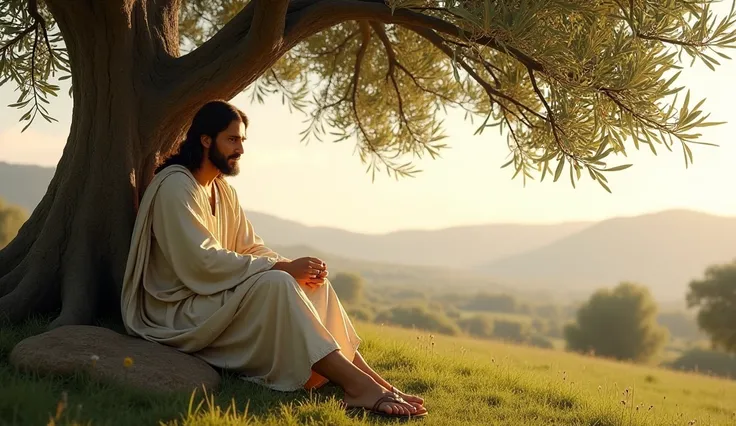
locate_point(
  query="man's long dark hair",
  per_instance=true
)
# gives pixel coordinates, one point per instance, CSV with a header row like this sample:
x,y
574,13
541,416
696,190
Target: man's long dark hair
x,y
214,117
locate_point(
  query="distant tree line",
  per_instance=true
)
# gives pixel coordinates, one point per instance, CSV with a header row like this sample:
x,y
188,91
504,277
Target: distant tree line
x,y
622,322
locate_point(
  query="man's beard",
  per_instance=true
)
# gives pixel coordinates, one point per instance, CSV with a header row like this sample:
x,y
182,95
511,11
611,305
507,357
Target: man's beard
x,y
223,163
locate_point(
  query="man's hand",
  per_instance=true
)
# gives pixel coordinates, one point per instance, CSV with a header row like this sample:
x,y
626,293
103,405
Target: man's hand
x,y
308,271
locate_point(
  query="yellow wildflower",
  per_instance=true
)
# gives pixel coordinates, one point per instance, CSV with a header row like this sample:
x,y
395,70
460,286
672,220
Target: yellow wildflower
x,y
128,362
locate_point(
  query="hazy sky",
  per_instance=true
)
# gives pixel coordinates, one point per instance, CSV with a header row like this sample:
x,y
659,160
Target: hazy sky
x,y
325,183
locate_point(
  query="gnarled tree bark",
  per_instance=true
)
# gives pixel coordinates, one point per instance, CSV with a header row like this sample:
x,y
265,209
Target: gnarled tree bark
x,y
70,255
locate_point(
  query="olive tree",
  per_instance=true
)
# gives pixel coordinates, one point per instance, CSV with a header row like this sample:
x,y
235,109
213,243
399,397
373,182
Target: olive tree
x,y
570,83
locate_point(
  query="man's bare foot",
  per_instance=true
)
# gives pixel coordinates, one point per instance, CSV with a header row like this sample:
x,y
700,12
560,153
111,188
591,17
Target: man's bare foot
x,y
368,398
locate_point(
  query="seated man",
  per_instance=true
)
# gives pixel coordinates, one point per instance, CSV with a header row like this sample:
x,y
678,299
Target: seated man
x,y
199,279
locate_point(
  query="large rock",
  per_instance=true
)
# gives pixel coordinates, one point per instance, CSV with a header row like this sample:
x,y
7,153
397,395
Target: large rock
x,y
155,367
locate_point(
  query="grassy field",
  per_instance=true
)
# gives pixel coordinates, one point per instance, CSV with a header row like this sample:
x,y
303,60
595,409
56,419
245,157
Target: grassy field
x,y
464,381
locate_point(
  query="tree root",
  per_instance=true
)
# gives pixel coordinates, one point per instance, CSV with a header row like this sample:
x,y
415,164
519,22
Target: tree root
x,y
10,281
76,258
33,288
27,297
14,253
79,283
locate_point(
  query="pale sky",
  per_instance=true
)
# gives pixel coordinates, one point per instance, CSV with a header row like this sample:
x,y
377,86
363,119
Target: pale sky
x,y
325,183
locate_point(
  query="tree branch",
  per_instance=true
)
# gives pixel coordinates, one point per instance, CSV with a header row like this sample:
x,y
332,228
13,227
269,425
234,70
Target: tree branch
x,y
324,13
38,21
550,114
671,40
366,38
16,39
391,55
339,46
623,107
223,66
366,34
438,42
488,66
638,34
392,63
267,26
236,56
161,17
33,10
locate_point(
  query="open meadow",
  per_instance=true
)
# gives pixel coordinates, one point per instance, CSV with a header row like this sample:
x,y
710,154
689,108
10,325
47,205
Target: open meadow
x,y
464,381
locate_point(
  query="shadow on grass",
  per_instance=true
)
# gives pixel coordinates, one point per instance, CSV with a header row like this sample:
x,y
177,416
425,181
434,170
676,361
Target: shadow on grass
x,y
261,401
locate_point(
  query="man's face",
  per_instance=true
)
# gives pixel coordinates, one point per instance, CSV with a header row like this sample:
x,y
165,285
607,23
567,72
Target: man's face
x,y
227,149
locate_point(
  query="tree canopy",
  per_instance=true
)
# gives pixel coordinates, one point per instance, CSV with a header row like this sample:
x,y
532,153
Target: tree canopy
x,y
569,82
714,298
620,323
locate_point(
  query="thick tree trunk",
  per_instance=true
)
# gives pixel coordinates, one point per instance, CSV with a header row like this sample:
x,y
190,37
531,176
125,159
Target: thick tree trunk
x,y
70,255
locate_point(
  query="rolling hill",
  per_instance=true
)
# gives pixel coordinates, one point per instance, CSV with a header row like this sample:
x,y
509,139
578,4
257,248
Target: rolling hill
x,y
662,250
24,185
457,247
380,274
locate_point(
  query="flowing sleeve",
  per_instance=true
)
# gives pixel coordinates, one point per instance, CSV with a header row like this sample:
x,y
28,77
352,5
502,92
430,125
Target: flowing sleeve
x,y
193,252
248,241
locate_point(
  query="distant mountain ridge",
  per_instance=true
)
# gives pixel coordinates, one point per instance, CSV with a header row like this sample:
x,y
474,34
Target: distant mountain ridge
x,y
24,185
456,247
664,251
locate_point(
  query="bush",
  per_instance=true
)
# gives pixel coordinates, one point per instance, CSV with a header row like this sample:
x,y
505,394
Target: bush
x,y
492,302
548,311
540,342
619,323
711,362
419,317
348,286
509,330
477,326
453,312
408,294
360,313
713,297
540,326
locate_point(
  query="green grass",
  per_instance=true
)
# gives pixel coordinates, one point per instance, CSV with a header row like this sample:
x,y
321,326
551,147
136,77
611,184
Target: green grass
x,y
464,381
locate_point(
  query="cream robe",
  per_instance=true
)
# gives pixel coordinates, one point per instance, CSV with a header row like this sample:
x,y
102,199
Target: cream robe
x,y
201,283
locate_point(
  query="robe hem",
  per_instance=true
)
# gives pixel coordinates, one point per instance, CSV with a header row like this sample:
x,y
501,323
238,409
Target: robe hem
x,y
286,388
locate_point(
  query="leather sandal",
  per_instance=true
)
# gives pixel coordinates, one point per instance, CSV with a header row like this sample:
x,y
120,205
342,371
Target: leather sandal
x,y
389,397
